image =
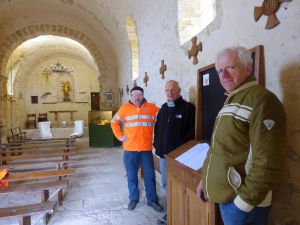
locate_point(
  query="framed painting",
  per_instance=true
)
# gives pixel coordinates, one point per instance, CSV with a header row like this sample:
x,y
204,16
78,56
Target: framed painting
x,y
109,97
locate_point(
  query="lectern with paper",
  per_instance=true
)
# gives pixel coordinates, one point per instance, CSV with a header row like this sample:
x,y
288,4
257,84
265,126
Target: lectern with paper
x,y
184,208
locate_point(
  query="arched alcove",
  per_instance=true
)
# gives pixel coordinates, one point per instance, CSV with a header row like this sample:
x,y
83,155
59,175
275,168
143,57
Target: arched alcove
x,y
24,34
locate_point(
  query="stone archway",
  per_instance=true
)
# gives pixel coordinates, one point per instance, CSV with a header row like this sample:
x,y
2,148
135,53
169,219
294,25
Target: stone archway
x,y
33,31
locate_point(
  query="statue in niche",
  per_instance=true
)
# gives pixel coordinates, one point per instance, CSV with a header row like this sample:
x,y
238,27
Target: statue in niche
x,y
66,88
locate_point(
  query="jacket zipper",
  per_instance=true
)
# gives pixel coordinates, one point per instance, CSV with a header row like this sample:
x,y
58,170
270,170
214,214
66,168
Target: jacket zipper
x,y
208,166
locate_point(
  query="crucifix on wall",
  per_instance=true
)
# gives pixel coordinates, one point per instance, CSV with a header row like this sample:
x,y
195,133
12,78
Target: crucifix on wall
x,y
121,92
194,50
127,89
46,74
162,69
146,79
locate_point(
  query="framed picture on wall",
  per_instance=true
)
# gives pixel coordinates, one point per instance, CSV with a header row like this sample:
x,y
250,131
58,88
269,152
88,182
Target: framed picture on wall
x,y
109,97
34,100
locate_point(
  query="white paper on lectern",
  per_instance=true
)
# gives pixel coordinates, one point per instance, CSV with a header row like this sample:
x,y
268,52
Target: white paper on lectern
x,y
194,157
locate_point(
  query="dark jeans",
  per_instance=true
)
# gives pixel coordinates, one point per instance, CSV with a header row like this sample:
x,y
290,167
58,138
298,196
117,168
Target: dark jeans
x,y
232,215
132,161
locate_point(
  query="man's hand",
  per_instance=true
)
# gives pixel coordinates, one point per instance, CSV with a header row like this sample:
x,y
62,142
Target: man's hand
x,y
200,193
123,139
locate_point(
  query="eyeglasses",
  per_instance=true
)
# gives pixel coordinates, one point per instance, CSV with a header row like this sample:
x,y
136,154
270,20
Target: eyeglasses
x,y
230,69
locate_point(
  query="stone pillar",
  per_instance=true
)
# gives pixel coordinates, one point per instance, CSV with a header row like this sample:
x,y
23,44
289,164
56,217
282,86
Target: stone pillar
x,y
3,107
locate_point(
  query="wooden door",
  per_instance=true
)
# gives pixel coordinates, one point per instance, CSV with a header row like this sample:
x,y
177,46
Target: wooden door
x,y
95,101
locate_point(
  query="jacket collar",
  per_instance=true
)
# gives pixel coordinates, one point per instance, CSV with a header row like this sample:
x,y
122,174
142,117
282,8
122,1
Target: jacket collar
x,y
249,82
177,102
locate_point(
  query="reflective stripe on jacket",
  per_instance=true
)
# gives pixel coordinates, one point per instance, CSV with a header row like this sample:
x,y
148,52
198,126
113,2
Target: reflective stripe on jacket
x,y
246,158
137,124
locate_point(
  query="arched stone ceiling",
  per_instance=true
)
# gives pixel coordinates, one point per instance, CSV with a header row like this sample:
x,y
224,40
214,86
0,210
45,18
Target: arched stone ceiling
x,y
100,21
33,52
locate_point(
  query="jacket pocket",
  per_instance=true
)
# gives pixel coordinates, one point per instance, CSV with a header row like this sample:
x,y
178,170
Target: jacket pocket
x,y
234,178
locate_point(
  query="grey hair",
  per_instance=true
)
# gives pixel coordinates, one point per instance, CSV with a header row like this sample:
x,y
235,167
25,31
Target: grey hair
x,y
243,54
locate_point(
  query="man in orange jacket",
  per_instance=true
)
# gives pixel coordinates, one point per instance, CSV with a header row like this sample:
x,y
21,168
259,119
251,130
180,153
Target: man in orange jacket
x,y
137,118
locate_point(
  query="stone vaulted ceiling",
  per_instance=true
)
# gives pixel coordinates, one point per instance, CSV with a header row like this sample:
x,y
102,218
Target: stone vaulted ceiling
x,y
99,25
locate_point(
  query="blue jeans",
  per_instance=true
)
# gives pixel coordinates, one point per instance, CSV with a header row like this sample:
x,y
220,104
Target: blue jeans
x,y
232,215
132,161
163,173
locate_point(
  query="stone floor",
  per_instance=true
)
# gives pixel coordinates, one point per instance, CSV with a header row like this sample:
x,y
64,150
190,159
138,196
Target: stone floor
x,y
97,194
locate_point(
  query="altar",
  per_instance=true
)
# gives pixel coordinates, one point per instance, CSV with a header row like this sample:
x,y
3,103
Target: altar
x,y
56,112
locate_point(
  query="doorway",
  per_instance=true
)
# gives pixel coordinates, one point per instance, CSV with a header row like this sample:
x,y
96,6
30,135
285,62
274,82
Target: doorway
x,y
95,101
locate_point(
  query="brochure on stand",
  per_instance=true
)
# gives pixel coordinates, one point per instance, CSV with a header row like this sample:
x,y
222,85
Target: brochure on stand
x,y
194,157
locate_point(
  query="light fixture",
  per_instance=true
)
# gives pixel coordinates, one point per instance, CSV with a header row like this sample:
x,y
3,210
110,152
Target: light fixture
x,y
60,68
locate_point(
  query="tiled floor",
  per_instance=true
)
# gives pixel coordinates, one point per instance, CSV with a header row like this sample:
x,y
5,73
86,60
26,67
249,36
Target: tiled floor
x,y
97,194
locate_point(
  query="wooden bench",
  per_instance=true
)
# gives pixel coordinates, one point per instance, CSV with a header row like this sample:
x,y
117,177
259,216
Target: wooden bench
x,y
65,156
21,176
52,140
33,175
63,144
57,163
67,143
35,155
37,149
40,186
24,212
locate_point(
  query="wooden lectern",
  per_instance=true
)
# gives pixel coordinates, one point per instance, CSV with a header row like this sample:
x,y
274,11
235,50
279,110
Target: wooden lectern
x,y
184,208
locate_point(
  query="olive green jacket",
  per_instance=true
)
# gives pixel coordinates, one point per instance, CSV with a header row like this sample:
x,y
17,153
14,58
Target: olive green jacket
x,y
248,145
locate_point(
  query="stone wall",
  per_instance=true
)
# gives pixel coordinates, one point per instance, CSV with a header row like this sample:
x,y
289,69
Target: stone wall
x,y
234,25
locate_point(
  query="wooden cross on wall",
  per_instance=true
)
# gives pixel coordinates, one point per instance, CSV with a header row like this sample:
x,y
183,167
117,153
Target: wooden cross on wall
x,y
121,91
269,9
194,50
146,79
162,69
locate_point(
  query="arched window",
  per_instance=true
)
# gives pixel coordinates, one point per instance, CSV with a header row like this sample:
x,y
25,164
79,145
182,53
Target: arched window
x,y
193,17
11,78
134,46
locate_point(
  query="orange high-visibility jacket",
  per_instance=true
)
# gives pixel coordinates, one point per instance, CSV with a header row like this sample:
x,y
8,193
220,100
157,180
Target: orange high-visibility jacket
x,y
137,123
3,174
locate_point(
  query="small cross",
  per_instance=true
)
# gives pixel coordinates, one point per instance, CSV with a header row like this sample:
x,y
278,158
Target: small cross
x,y
146,79
162,69
134,83
127,89
46,73
194,50
121,92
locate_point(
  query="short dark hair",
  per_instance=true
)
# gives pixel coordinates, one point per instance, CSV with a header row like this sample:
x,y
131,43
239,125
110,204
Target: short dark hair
x,y
137,88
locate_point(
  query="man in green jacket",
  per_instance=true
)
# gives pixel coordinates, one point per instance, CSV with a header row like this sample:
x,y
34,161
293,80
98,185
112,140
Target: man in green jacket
x,y
246,158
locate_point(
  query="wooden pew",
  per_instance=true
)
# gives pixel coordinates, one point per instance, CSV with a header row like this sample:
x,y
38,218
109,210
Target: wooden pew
x,y
26,154
24,212
22,176
40,186
43,186
57,163
65,156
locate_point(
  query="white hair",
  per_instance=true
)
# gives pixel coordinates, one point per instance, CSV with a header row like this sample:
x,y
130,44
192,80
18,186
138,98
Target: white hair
x,y
243,54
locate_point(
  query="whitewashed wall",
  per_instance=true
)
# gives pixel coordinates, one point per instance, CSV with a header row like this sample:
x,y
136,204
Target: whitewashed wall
x,y
158,39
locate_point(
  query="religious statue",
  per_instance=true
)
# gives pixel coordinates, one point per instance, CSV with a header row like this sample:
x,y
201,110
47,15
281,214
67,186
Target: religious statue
x,y
66,88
